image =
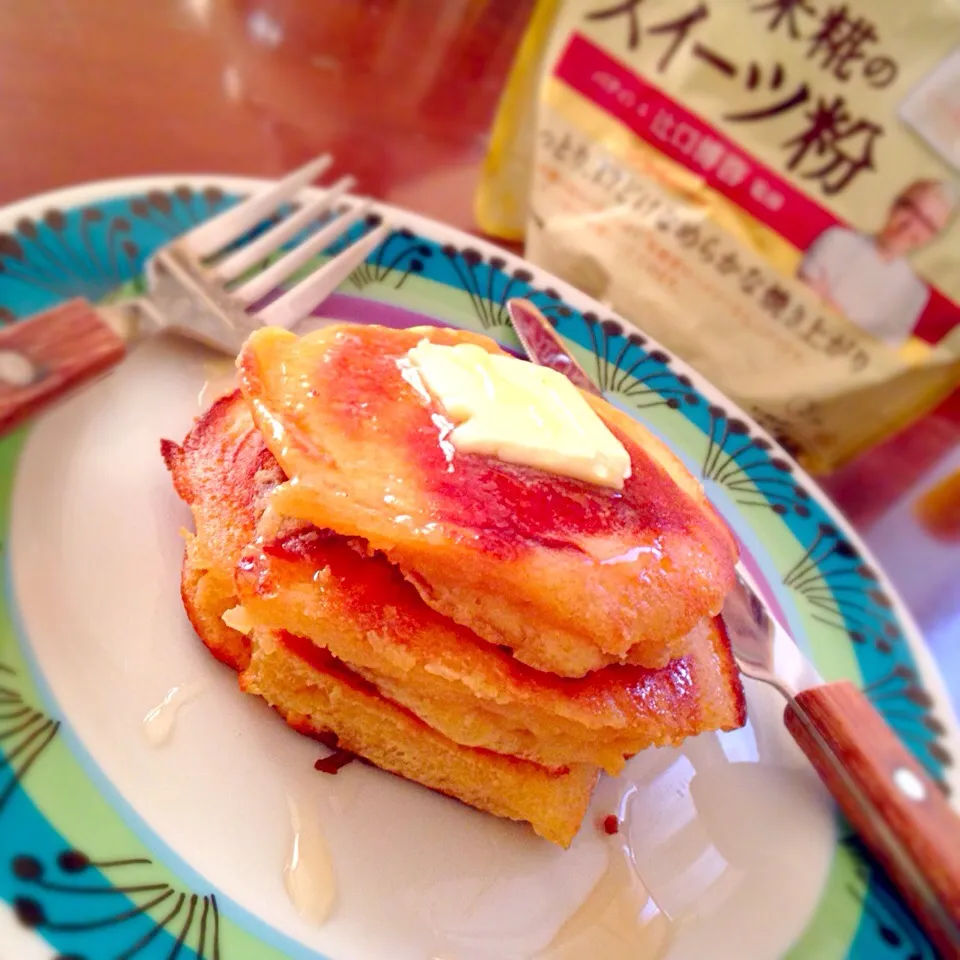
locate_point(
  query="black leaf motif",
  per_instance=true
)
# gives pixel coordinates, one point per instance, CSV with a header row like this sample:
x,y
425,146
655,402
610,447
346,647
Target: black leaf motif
x,y
160,201
27,228
191,920
55,220
27,868
10,247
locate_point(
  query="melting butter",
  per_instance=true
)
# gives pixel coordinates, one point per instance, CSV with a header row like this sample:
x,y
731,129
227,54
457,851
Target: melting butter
x,y
520,413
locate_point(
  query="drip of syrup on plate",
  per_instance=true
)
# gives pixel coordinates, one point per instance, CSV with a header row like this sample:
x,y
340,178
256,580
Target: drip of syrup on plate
x,y
158,723
308,873
619,920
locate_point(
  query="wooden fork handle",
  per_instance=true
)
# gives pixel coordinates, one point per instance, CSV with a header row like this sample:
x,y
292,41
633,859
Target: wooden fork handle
x,y
906,808
51,353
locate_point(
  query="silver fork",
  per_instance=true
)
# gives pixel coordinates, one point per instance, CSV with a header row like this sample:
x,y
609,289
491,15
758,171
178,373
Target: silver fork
x,y
898,811
197,287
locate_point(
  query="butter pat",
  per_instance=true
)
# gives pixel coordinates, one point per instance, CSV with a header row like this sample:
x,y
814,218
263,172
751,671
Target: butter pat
x,y
520,413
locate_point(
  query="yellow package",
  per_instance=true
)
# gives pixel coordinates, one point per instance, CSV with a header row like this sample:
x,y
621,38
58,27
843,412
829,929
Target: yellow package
x,y
768,187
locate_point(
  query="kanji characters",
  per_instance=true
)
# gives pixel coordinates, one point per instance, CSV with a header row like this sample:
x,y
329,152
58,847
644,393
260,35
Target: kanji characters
x,y
765,193
845,145
708,153
682,135
733,170
840,40
786,12
833,147
685,137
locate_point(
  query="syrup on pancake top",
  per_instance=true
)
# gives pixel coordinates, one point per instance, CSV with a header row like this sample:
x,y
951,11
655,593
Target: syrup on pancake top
x,y
325,588
570,575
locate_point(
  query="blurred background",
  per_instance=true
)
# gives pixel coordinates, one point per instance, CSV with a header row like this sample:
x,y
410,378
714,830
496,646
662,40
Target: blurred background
x,y
404,93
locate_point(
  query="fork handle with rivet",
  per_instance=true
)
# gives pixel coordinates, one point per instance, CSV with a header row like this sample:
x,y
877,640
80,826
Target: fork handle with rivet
x,y
909,811
47,356
895,807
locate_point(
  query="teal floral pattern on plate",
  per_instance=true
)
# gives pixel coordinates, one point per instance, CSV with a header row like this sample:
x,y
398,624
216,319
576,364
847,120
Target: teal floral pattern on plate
x,y
85,883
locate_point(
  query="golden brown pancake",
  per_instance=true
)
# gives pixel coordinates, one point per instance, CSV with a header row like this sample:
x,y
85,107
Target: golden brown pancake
x,y
317,694
341,642
222,472
319,585
568,575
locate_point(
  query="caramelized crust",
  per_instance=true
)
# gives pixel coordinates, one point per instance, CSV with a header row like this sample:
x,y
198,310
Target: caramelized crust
x,y
222,471
341,642
316,694
568,575
358,607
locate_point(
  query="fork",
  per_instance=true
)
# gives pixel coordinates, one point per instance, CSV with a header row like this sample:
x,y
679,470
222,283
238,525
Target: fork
x,y
203,285
898,811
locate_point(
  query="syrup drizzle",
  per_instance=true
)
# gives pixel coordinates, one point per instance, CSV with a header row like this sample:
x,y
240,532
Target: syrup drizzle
x,y
619,920
158,723
221,380
308,873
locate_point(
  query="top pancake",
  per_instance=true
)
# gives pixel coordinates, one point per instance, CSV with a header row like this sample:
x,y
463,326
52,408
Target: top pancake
x,y
570,576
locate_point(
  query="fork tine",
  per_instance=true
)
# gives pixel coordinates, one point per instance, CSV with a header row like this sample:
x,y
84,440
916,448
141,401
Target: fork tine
x,y
243,259
297,302
270,278
215,234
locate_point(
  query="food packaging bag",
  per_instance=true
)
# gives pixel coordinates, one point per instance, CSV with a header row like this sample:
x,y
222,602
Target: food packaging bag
x,y
770,188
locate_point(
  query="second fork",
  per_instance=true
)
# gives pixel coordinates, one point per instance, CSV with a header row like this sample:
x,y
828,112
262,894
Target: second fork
x,y
210,285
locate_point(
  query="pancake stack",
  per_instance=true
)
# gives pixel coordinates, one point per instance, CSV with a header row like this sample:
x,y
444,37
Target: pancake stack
x,y
489,630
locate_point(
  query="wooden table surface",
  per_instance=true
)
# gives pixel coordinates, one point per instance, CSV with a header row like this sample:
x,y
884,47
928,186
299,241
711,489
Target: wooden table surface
x,y
403,92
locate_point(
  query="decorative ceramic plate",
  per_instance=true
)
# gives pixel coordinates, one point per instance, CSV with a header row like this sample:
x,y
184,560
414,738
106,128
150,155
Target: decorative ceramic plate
x,y
113,847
